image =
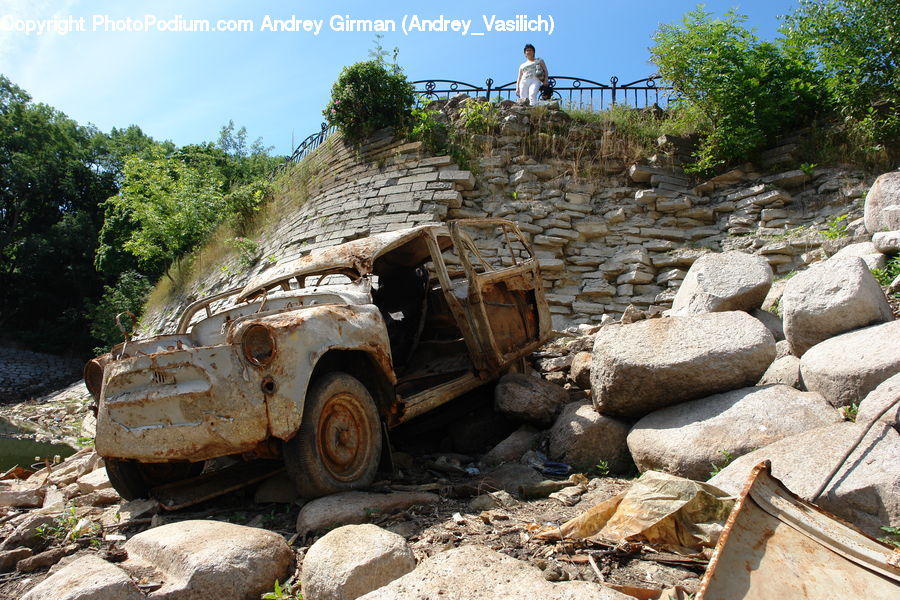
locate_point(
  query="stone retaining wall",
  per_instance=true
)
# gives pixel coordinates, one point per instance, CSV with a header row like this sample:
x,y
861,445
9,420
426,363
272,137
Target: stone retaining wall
x,y
621,235
25,374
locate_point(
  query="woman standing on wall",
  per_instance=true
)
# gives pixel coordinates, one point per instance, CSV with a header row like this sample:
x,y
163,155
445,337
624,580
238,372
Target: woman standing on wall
x,y
532,74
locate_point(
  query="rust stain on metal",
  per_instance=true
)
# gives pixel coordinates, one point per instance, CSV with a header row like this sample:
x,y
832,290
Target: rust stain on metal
x,y
233,378
776,545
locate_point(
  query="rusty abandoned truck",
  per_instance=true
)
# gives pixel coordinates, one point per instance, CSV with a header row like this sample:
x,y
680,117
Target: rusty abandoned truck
x,y
312,362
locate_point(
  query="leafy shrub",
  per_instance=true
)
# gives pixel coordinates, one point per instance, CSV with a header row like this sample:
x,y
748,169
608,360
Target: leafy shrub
x,y
426,128
479,117
128,294
367,96
837,227
889,273
750,90
855,44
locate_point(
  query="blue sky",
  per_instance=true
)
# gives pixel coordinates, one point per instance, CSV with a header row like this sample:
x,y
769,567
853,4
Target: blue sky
x,y
184,85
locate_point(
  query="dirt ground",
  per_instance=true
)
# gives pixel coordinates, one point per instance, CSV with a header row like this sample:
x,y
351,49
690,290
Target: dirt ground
x,y
428,457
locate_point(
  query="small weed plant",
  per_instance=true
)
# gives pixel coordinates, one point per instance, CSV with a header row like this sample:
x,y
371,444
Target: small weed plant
x,y
601,468
69,527
288,592
892,538
850,412
837,227
479,117
889,273
247,250
717,468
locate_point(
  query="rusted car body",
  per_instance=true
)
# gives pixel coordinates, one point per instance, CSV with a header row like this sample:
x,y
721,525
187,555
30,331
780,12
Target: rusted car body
x,y
408,320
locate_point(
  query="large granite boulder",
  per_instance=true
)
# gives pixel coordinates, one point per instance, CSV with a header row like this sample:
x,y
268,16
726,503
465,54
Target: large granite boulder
x,y
866,488
688,439
470,572
583,438
353,560
529,399
831,298
719,282
883,401
784,370
845,368
867,251
212,559
86,578
648,365
882,208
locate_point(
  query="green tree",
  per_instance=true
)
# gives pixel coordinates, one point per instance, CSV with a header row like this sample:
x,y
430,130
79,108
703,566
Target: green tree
x,y
51,183
370,95
127,295
748,89
856,43
165,207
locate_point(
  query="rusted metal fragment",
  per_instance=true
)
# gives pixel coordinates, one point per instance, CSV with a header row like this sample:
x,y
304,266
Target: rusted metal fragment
x,y
776,545
178,495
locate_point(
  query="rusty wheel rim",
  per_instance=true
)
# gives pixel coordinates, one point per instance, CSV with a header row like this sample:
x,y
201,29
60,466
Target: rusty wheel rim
x,y
343,437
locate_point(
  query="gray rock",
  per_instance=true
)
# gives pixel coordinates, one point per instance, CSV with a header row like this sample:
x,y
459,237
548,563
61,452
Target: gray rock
x,y
347,508
9,558
212,559
887,393
866,489
16,494
771,321
723,282
25,533
580,371
645,366
354,560
828,299
784,370
882,208
583,438
279,488
87,578
529,399
509,477
513,447
689,438
782,349
844,369
867,251
471,571
887,242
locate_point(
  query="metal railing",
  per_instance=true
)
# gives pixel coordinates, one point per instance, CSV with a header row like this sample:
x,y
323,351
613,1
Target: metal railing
x,y
312,141
573,92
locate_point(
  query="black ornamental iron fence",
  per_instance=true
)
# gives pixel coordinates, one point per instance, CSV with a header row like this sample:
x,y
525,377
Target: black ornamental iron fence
x,y
571,92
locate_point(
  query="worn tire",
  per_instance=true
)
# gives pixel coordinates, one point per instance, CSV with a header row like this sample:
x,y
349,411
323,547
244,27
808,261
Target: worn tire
x,y
338,445
133,479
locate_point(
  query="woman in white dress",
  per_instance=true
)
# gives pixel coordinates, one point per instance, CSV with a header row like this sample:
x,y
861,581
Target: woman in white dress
x,y
532,74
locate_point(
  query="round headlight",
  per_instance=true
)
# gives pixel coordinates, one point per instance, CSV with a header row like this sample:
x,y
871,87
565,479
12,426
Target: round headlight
x,y
258,345
93,378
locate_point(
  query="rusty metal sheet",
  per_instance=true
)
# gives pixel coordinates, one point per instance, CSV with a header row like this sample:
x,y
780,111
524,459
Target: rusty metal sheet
x,y
357,255
776,545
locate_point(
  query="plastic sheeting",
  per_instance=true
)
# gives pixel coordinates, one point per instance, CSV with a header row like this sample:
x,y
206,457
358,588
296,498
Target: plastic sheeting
x,y
661,510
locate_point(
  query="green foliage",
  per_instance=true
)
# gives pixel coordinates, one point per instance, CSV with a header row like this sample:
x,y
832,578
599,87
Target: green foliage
x,y
837,227
242,203
716,468
288,592
170,206
69,527
247,250
893,536
808,168
749,90
52,179
602,468
850,412
479,117
128,294
889,273
368,96
856,44
425,127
